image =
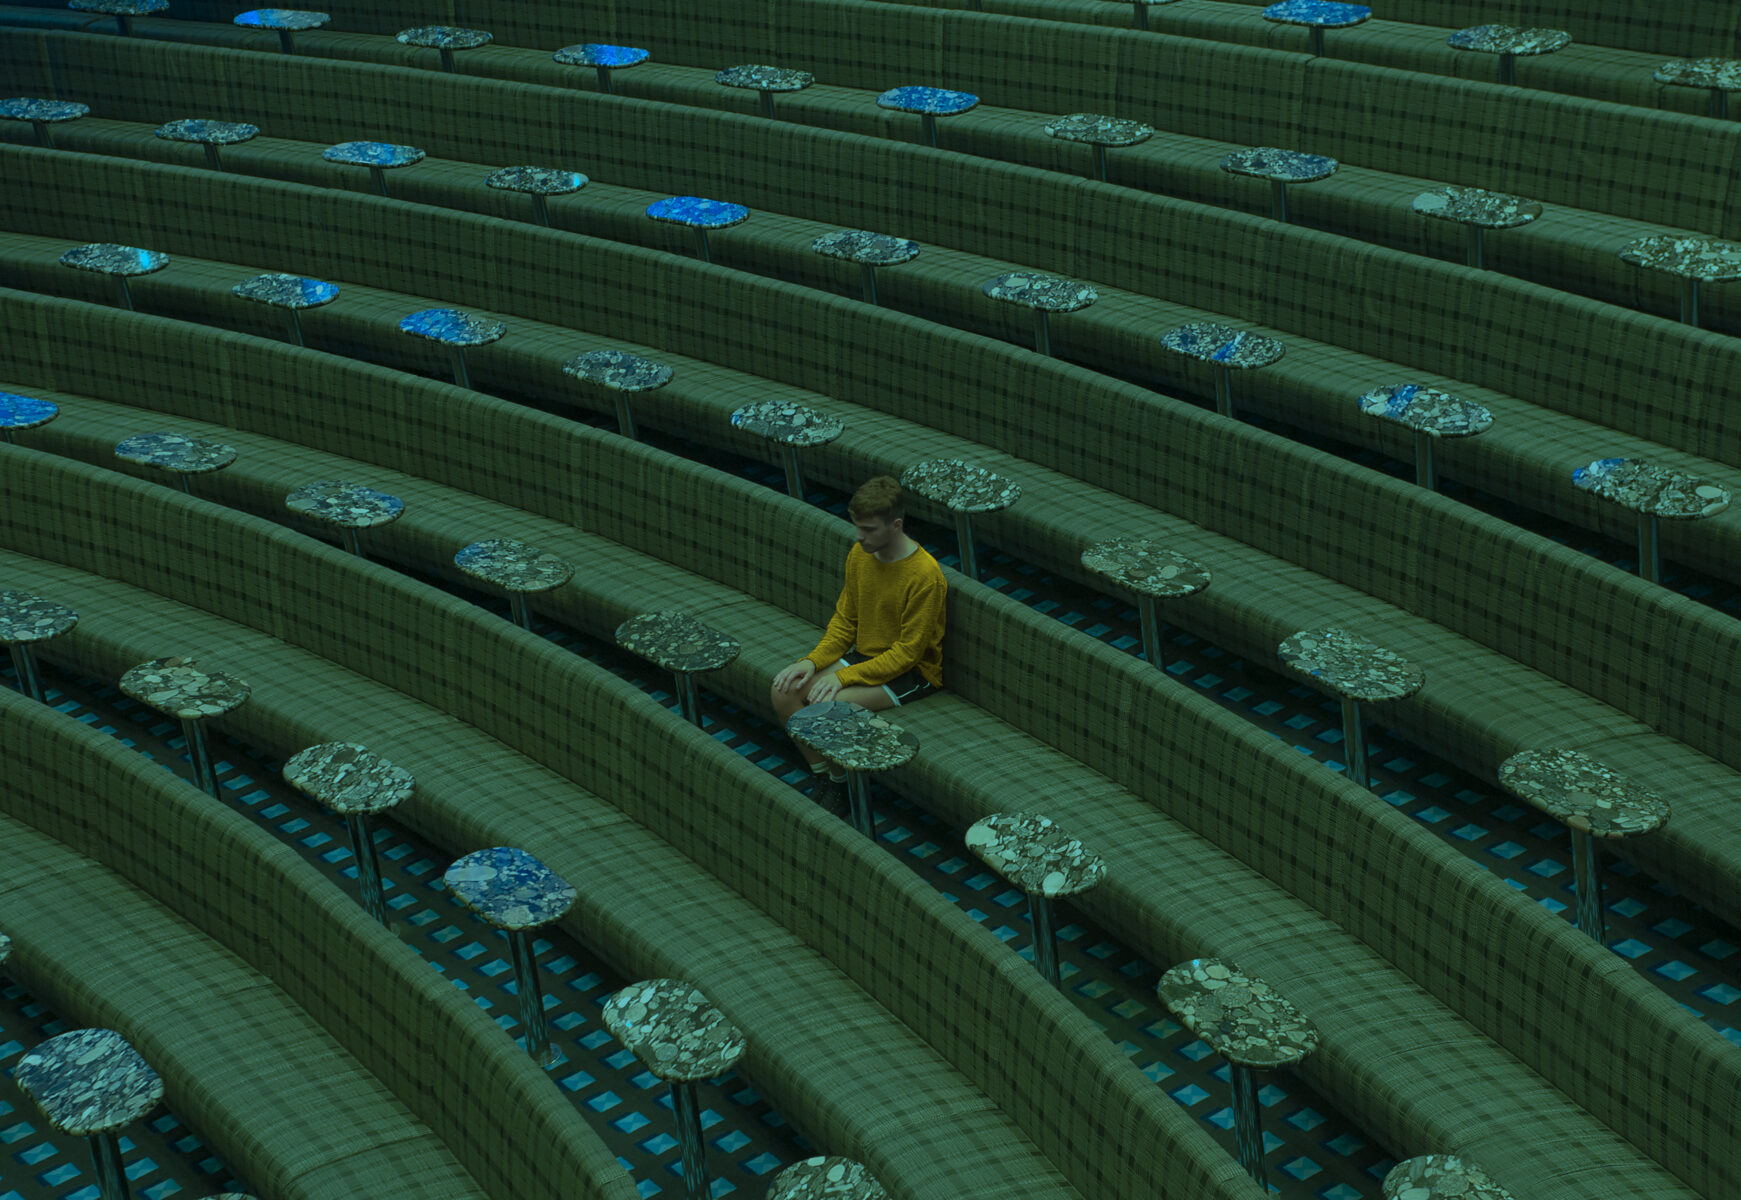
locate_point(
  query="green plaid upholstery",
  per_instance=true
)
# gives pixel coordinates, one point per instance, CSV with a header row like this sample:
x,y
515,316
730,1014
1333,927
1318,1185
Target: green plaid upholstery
x,y
1227,909
647,907
633,495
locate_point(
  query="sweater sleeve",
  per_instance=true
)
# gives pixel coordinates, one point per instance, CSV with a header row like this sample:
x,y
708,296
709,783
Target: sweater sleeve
x,y
842,631
922,615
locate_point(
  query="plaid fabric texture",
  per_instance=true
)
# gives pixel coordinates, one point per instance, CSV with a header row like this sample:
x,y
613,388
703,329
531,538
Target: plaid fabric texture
x,y
618,475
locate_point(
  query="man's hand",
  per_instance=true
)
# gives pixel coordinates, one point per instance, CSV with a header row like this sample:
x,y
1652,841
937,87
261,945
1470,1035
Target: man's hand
x,y
827,687
795,676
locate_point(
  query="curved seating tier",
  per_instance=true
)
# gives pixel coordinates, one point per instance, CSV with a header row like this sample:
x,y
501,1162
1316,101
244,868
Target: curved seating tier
x,y
1634,384
1612,56
312,1051
1171,897
647,906
1661,657
1607,174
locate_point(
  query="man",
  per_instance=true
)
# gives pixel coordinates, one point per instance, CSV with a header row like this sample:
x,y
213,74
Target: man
x,y
884,644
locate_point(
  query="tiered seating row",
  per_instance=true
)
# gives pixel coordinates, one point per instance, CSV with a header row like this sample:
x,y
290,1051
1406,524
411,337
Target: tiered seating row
x,y
1469,575
1292,822
314,1052
938,1106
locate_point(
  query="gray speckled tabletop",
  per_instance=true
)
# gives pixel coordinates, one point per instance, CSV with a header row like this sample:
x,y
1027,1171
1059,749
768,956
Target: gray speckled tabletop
x,y
961,487
765,79
619,370
444,37
852,736
25,412
1721,74
175,452
1509,39
452,327
287,291
1441,1177
178,688
1426,409
863,246
348,505
514,566
537,181
88,1081
1282,166
347,778
1582,793
1351,666
1223,345
826,1179
509,888
784,421
30,108
1032,289
108,258
385,155
1477,206
26,618
130,8
295,20
1706,259
1100,130
677,642
1034,854
211,133
1146,567
1655,491
675,1029
1243,1018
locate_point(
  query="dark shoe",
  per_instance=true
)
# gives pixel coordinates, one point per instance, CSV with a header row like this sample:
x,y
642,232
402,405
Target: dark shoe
x,y
830,794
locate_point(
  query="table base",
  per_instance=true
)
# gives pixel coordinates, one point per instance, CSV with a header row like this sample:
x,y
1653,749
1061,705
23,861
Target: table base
x,y
794,478
688,701
368,865
1317,34
701,245
930,125
379,175
1141,20
867,273
1719,106
1224,389
964,544
518,609
767,98
1278,200
1690,302
200,755
1508,69
296,328
1100,162
1649,549
214,160
687,1112
123,293
1045,939
285,42
446,59
858,801
604,80
1042,332
1247,1122
44,137
24,663
1474,246
1354,738
1426,469
1587,875
106,1159
461,374
541,210
1154,645
625,417
532,1000
352,542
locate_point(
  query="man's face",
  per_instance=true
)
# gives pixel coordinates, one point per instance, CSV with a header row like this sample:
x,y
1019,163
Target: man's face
x,y
876,534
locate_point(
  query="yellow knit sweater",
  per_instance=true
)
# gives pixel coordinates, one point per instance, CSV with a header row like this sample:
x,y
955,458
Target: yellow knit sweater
x,y
893,613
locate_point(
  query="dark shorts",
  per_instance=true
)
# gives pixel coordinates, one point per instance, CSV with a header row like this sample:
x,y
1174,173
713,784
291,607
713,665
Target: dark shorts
x,y
902,689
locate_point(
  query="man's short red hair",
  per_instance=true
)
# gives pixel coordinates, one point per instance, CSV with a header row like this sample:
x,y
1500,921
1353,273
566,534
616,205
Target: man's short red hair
x,y
879,497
